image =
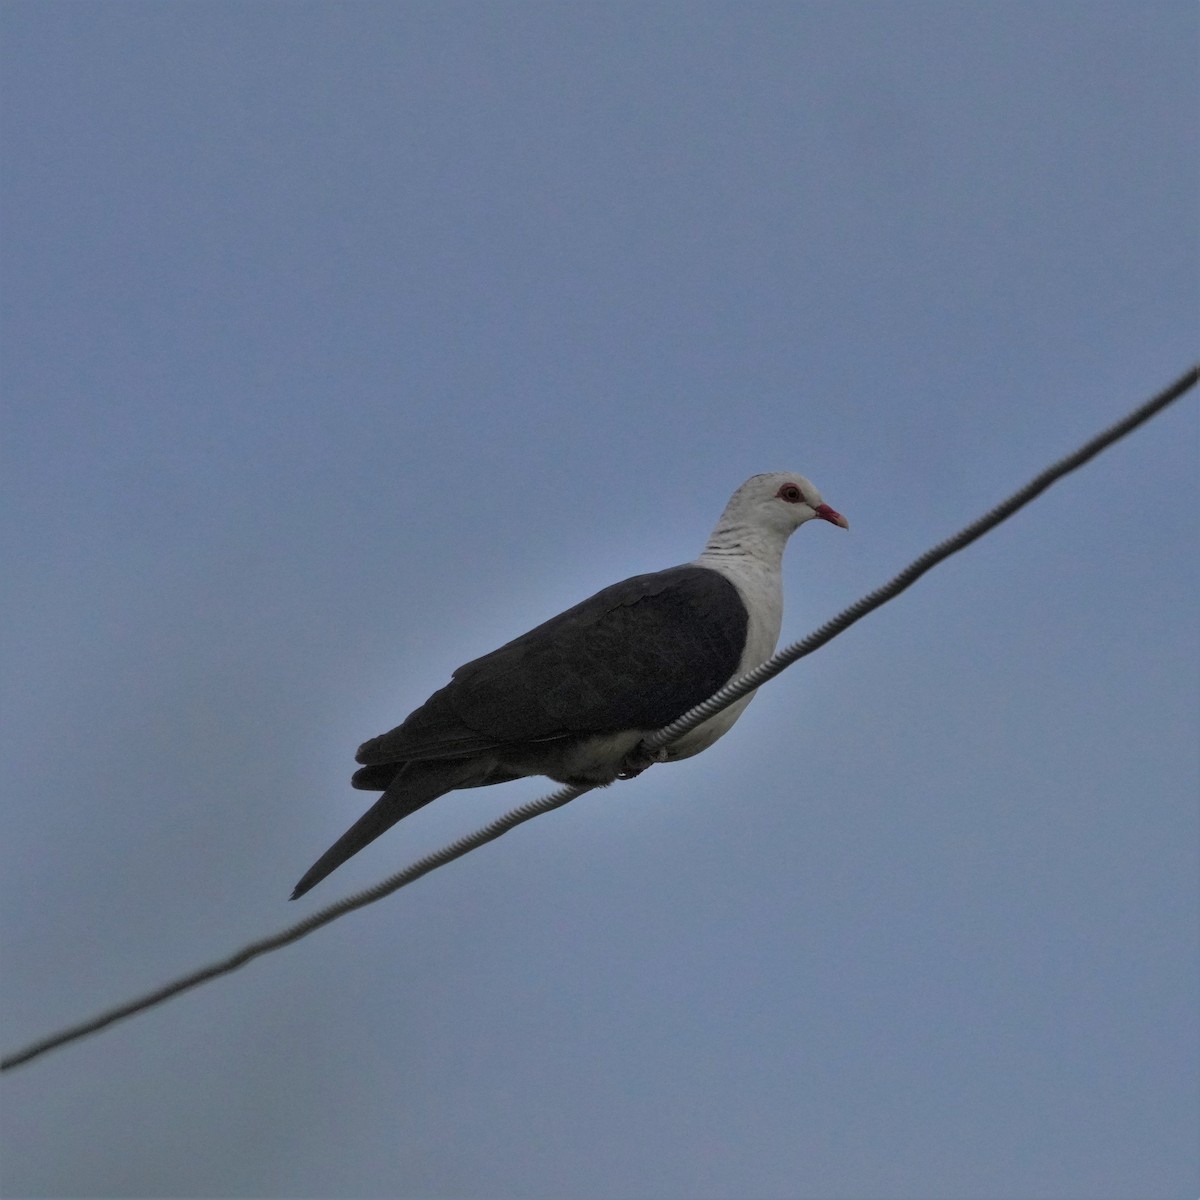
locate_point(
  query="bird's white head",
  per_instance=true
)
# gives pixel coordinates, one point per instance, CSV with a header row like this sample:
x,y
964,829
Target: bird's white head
x,y
765,511
781,500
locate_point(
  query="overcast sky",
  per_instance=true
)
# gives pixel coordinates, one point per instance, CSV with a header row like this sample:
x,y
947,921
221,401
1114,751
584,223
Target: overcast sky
x,y
343,342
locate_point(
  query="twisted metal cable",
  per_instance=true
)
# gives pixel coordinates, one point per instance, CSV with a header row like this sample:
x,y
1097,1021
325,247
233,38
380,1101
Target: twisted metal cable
x,y
702,712
294,932
736,688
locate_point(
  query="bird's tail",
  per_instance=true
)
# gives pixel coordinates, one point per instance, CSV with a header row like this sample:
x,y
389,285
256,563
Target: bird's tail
x,y
414,786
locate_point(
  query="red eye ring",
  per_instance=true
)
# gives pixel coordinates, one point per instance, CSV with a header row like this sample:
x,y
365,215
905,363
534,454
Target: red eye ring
x,y
791,493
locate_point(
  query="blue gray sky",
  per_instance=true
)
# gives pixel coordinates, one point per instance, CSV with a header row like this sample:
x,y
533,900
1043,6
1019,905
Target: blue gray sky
x,y
343,342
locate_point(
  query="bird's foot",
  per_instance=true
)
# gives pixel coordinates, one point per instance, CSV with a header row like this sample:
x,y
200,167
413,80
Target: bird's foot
x,y
638,759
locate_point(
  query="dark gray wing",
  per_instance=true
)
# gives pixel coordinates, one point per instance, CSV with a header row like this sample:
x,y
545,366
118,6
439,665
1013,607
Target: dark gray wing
x,y
633,656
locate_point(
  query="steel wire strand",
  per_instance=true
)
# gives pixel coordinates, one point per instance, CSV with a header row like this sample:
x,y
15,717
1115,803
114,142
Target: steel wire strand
x,y
721,699
736,688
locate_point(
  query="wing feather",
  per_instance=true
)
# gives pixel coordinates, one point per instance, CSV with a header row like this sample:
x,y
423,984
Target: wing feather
x,y
633,656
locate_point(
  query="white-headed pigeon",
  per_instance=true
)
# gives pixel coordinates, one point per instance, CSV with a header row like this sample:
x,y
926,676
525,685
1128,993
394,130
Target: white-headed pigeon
x,y
573,698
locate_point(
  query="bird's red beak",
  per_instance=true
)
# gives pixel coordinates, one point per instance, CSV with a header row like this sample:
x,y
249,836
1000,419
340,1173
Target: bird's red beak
x,y
834,518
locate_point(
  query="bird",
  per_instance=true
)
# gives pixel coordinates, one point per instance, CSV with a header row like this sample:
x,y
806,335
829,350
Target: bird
x,y
573,698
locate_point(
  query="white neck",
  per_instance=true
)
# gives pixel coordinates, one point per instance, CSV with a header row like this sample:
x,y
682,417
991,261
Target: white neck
x,y
751,558
734,540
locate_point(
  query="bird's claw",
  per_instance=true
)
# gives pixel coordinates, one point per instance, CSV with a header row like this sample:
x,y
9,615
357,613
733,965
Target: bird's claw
x,y
638,759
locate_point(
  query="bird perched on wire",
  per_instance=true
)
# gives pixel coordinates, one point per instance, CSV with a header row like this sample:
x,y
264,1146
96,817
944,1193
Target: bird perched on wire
x,y
573,698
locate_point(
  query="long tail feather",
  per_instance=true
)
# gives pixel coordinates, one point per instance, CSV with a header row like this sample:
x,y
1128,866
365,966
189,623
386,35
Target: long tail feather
x,y
414,787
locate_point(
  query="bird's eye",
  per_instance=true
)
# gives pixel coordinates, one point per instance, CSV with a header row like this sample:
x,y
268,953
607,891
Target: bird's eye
x,y
791,493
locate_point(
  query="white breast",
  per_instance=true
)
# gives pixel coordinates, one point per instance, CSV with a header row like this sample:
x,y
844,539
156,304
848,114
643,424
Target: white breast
x,y
760,586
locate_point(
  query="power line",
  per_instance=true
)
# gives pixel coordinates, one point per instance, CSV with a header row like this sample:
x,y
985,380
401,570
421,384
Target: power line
x,y
784,658
696,716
